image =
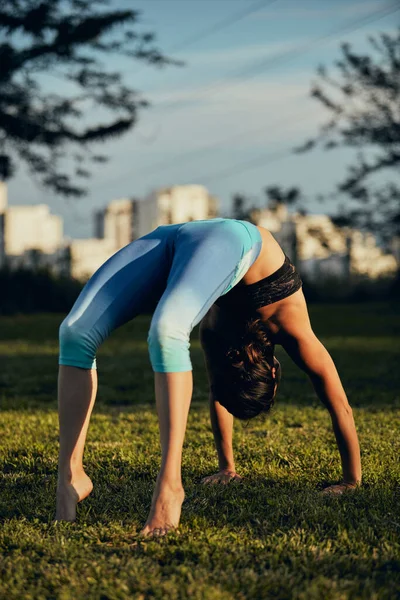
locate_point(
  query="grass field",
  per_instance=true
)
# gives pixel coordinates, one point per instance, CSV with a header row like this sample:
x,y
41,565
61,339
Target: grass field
x,y
272,536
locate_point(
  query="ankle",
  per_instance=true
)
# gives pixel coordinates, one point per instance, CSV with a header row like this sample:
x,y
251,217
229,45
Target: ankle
x,y
171,486
69,476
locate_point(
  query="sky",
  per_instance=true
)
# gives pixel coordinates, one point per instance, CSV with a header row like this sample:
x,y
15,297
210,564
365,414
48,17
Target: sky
x,y
229,118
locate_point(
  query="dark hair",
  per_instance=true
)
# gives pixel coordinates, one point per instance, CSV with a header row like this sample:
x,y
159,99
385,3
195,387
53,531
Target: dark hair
x,y
244,383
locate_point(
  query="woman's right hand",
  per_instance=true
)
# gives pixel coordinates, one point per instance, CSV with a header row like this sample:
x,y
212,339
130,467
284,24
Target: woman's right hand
x,y
224,476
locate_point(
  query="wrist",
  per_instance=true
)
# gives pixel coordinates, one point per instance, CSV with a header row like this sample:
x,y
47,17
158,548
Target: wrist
x,y
351,482
352,477
227,466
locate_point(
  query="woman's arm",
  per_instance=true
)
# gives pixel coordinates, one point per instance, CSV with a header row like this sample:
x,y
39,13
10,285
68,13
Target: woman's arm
x,y
310,355
305,349
221,421
222,427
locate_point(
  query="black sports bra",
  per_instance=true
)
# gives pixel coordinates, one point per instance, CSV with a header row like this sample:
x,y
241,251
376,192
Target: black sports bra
x,y
281,284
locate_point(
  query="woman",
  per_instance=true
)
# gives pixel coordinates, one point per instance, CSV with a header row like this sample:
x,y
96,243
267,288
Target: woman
x,y
179,271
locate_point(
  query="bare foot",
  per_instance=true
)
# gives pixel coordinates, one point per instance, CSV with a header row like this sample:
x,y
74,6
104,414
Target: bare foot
x,y
165,511
69,493
338,489
225,476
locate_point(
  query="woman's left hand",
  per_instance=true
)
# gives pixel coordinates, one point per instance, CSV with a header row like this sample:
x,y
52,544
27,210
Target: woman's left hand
x,y
224,476
340,488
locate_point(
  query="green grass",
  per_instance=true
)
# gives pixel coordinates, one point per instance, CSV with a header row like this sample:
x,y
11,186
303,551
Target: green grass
x,y
273,536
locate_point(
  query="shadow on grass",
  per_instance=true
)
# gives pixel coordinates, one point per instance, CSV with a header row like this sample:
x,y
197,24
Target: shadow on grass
x,y
261,505
263,539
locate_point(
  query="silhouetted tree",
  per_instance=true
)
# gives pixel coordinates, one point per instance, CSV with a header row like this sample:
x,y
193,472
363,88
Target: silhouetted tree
x,y
278,195
240,208
243,208
65,39
364,102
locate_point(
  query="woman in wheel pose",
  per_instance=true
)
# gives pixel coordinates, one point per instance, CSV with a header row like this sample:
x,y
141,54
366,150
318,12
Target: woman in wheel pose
x,y
234,277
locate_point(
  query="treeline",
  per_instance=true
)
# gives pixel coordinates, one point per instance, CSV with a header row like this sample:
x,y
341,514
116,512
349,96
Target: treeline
x,y
23,291
354,290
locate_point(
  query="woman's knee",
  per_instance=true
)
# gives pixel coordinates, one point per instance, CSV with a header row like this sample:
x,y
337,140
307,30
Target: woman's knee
x,y
77,346
168,343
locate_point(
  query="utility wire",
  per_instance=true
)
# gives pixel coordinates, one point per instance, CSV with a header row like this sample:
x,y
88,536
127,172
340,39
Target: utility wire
x,y
264,159
223,24
217,27
193,154
190,155
263,65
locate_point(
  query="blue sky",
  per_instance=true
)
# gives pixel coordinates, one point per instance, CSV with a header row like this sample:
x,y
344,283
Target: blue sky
x,y
229,118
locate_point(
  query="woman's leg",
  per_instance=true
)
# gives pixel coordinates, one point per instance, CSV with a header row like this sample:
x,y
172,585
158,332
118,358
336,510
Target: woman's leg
x,y
125,285
196,280
76,396
173,394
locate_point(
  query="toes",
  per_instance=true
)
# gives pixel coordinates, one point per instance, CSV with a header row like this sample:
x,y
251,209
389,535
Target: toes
x,y
159,531
156,531
332,492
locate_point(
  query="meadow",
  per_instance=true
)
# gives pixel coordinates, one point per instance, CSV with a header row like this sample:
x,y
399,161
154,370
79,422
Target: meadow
x,y
271,536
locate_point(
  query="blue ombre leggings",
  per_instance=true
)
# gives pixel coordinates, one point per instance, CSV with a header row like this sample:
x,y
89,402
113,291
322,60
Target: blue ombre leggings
x,y
177,271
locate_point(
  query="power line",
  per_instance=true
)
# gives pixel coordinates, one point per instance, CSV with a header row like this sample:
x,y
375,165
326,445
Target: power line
x,y
264,159
373,16
271,62
188,156
261,159
218,26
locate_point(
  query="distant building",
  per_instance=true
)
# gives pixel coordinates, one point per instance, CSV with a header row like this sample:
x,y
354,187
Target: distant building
x,y
113,229
124,220
32,227
321,249
86,256
116,222
367,258
31,237
28,229
279,223
176,204
395,248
